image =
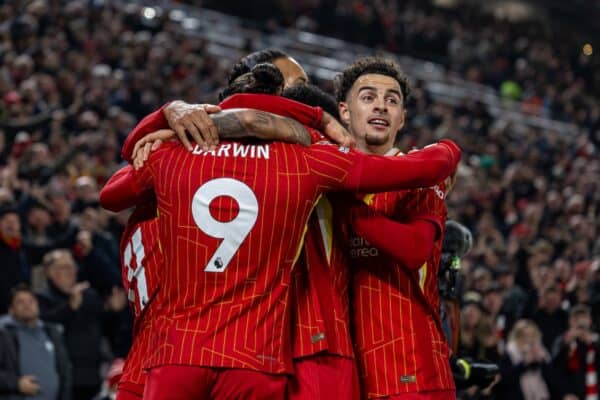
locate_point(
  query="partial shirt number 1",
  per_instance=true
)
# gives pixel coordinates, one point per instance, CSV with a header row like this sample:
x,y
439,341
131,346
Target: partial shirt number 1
x,y
136,246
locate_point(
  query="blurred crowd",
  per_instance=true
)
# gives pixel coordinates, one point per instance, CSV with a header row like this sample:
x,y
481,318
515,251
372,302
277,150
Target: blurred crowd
x,y
76,76
547,70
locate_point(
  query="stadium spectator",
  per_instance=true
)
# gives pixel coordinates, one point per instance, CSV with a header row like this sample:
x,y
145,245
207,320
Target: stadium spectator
x,y
79,309
575,356
525,368
36,239
14,263
33,358
550,317
477,339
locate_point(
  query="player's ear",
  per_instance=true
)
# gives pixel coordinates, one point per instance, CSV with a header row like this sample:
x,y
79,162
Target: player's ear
x,y
403,119
344,112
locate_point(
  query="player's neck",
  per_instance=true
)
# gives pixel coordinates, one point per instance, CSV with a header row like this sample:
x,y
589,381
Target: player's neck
x,y
371,148
381,150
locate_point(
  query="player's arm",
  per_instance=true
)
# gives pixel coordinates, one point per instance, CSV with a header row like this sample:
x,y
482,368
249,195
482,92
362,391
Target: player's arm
x,y
235,124
242,122
313,117
194,118
179,116
411,243
124,190
344,169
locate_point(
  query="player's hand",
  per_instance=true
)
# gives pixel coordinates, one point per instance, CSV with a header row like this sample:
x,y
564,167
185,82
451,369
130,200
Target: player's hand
x,y
193,119
28,385
76,295
331,128
148,144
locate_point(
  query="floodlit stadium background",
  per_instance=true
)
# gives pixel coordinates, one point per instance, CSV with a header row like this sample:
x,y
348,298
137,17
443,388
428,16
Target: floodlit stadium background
x,y
515,83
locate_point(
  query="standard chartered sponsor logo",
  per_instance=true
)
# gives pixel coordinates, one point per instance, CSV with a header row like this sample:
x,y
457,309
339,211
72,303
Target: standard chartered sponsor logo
x,y
361,248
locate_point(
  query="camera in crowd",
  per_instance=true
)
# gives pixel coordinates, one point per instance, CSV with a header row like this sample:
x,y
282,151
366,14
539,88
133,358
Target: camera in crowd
x,y
458,240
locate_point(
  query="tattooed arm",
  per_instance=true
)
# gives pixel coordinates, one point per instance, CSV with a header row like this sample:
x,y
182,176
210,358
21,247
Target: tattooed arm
x,y
232,124
237,123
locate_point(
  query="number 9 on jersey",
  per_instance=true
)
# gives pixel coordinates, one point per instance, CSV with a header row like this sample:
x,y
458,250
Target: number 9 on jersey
x,y
233,232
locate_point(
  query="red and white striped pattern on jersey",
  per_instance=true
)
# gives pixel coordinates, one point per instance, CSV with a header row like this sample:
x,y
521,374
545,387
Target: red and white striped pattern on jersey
x,y
400,343
142,262
231,222
321,318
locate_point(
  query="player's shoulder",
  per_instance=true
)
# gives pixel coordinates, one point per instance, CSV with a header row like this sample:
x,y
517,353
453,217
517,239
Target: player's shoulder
x,y
329,147
171,146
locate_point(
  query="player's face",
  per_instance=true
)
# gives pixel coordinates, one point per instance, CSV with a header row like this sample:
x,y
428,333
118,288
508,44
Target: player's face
x,y
374,110
292,72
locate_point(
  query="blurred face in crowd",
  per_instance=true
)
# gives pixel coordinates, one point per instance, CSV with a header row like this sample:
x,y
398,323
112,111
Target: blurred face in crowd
x,y
10,225
527,336
374,112
552,300
482,279
293,73
6,196
24,307
89,219
506,280
62,271
40,154
471,315
86,188
61,208
493,301
563,269
39,219
581,322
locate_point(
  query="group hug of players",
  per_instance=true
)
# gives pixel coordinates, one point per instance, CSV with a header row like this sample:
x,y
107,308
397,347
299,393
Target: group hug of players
x,y
273,263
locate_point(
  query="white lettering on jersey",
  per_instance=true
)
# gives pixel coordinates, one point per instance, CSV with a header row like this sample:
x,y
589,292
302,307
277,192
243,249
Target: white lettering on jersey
x,y
236,150
361,248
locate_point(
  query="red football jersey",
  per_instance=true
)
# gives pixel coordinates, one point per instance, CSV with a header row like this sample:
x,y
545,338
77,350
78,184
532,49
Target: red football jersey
x,y
231,223
142,262
400,343
321,320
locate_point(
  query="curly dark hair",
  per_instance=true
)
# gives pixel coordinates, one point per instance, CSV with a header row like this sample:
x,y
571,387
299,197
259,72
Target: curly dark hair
x,y
370,65
313,96
246,63
263,78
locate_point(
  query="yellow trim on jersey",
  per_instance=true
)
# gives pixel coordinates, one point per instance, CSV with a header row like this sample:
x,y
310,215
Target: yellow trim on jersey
x,y
368,199
422,276
325,214
160,249
301,244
